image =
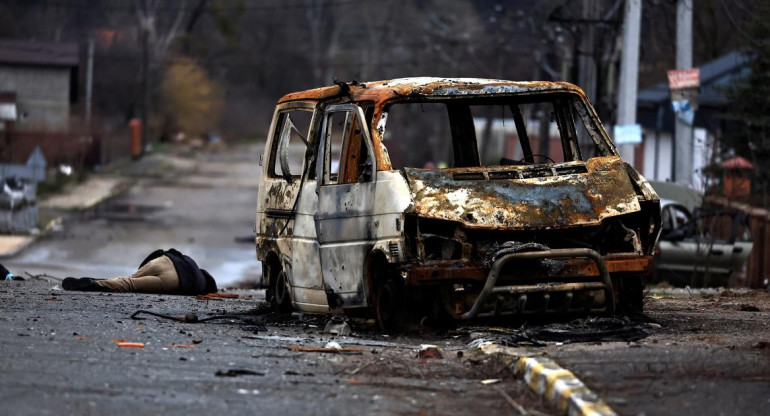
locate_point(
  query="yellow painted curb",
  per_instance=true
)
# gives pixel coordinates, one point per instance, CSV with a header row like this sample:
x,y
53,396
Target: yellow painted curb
x,y
556,384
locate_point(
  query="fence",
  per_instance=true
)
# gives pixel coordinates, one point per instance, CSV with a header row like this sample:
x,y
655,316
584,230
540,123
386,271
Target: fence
x,y
18,205
758,263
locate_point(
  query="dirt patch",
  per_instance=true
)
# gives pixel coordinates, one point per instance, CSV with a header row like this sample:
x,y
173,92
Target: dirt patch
x,y
733,319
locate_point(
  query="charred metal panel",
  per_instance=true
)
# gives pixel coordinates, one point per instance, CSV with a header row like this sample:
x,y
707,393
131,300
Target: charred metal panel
x,y
310,300
306,265
392,198
437,225
343,224
554,201
285,222
430,86
351,220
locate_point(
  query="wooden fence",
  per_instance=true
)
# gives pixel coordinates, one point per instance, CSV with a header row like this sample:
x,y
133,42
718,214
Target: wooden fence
x,y
757,269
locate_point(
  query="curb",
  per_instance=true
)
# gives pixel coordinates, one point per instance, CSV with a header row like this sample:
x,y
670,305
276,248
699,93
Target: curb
x,y
31,239
556,384
118,189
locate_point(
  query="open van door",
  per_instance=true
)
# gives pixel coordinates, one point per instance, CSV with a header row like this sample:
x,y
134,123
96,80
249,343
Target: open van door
x,y
346,185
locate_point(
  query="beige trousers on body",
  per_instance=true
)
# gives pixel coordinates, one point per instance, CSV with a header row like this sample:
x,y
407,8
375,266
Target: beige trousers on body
x,y
157,276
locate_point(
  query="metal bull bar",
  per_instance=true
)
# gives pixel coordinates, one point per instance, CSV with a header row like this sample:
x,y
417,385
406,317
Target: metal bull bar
x,y
490,288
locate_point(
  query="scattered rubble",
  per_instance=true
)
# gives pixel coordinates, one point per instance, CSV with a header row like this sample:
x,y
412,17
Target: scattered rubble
x,y
337,326
236,372
581,330
429,351
334,349
130,344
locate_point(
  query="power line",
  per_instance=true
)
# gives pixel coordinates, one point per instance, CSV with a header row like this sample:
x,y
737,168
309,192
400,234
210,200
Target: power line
x,y
233,7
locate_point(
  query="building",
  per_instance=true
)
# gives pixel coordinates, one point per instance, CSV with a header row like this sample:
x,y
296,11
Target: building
x,y
43,76
654,155
38,92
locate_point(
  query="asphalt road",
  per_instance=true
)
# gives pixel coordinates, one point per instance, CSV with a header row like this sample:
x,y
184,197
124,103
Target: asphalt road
x,y
60,358
199,205
701,354
59,355
710,356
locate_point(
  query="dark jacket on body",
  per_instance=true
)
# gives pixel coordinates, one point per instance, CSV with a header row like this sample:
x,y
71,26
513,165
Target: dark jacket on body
x,y
192,279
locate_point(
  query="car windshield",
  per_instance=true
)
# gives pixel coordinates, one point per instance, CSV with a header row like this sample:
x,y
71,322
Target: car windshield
x,y
541,129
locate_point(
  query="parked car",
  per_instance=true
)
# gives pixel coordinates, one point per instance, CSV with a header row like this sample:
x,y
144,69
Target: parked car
x,y
425,212
702,248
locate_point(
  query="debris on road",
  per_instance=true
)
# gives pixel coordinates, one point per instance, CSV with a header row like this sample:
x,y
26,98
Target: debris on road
x,y
252,324
130,344
330,350
42,276
337,326
429,351
188,318
254,328
236,372
581,330
745,307
491,381
217,296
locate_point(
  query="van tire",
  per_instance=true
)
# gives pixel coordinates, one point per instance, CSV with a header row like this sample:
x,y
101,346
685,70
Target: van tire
x,y
281,295
277,293
630,296
389,303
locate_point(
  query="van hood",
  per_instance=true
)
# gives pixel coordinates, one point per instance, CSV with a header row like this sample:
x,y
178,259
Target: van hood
x,y
524,197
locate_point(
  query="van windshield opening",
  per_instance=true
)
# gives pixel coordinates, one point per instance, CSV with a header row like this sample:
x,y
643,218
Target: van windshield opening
x,y
517,130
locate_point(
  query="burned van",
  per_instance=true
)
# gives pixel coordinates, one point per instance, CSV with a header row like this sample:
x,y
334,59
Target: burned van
x,y
461,197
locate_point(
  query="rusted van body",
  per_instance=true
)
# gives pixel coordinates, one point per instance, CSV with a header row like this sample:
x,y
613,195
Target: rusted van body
x,y
470,197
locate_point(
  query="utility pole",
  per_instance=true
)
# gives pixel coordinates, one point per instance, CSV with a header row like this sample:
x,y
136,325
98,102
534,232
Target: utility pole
x,y
629,79
682,156
586,62
145,87
89,81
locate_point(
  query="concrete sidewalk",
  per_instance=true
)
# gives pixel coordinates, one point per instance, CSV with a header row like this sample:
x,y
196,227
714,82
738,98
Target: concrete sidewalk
x,y
80,197
88,194
12,244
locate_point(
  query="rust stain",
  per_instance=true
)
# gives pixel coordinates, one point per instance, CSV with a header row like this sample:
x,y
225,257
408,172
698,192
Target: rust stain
x,y
472,209
382,93
558,201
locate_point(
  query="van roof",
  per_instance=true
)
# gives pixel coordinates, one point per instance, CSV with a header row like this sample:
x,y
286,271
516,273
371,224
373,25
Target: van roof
x,y
428,87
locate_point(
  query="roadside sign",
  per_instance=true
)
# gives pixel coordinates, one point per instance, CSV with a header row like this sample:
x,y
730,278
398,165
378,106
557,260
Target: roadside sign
x,y
627,133
684,85
679,79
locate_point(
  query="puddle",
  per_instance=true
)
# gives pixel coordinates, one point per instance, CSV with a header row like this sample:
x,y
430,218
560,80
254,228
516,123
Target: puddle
x,y
581,330
342,341
128,211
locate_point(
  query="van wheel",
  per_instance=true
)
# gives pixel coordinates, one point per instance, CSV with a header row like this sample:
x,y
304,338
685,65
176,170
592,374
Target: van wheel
x,y
630,295
389,304
279,288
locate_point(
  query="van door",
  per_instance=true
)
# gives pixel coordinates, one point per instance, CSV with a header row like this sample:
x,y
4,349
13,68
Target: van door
x,y
345,204
291,203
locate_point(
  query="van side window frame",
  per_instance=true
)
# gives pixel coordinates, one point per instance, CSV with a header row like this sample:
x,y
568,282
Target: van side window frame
x,y
279,149
324,149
